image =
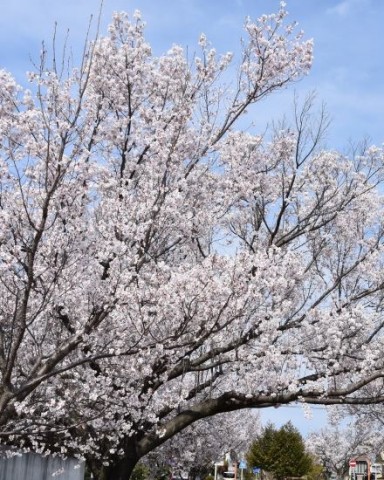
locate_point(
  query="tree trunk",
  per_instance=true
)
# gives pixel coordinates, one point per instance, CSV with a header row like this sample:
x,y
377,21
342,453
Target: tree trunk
x,y
119,471
122,468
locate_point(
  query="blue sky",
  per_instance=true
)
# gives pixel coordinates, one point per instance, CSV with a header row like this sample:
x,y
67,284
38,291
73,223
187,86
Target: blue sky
x,y
317,419
347,73
348,68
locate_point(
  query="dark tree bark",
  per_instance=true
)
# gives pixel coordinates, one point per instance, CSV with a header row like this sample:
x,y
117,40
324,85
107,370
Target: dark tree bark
x,y
121,470
123,467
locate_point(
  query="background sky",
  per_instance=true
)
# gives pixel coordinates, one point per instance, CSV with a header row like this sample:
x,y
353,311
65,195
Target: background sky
x,y
348,67
347,73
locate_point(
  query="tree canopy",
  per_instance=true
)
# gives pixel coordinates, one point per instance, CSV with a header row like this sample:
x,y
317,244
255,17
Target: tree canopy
x,y
336,444
280,452
159,264
197,448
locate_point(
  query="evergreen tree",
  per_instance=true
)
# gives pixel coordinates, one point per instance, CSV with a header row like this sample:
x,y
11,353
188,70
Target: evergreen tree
x,y
280,452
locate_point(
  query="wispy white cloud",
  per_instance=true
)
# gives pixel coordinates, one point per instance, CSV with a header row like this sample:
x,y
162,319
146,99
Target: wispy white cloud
x,y
346,6
340,9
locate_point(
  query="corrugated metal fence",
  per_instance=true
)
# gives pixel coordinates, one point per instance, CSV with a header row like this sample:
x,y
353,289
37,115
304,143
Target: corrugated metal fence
x,y
31,466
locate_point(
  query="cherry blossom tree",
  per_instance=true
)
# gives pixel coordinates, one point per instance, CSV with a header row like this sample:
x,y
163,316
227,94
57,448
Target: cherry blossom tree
x,y
204,443
160,265
335,445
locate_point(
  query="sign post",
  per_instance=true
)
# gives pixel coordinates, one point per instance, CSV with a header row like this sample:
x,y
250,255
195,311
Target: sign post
x,y
256,471
242,466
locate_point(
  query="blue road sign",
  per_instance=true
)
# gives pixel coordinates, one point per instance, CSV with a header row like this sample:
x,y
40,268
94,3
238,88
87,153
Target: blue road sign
x,y
242,464
256,469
